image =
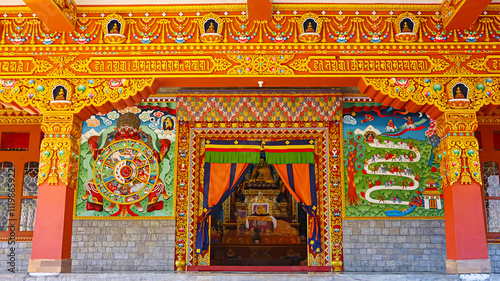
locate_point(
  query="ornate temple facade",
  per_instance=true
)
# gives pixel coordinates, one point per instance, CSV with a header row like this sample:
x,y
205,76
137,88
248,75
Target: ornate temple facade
x,y
254,136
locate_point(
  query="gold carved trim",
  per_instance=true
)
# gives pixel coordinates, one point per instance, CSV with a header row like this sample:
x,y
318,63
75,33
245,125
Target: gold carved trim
x,y
20,120
488,120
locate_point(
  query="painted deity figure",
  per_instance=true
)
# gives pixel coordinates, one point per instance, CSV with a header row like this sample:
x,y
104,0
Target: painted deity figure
x,y
60,95
309,28
211,28
390,126
409,123
459,94
406,28
114,30
369,138
262,173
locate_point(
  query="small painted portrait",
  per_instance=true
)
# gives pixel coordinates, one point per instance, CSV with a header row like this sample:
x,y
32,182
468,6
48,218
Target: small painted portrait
x,y
168,124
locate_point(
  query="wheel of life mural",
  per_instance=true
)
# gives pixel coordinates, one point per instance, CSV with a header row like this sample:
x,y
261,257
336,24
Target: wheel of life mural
x,y
125,172
126,166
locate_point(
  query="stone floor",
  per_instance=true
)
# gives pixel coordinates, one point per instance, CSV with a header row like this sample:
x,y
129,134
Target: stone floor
x,y
254,276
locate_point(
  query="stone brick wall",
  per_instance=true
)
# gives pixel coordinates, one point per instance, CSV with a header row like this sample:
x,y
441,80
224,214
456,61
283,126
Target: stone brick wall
x,y
494,255
394,245
123,245
377,246
22,252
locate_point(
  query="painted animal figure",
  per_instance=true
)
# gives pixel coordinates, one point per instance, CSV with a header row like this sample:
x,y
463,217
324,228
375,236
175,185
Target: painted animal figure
x,y
396,199
383,169
388,183
408,171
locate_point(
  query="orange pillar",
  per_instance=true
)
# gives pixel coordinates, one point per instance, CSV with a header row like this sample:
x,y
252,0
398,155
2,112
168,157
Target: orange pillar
x,y
59,153
466,246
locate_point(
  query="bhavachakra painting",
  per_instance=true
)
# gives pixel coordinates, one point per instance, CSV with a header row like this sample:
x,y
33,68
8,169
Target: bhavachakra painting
x,y
127,163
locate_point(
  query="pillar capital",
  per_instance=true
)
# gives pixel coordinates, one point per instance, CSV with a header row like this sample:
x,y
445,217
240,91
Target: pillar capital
x,y
59,151
456,123
458,150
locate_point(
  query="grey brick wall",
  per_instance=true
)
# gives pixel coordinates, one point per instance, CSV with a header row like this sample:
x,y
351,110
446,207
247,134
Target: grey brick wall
x,y
377,246
123,245
22,252
494,255
394,245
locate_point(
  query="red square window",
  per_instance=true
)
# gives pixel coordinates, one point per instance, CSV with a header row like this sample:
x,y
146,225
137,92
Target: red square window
x,y
496,140
15,141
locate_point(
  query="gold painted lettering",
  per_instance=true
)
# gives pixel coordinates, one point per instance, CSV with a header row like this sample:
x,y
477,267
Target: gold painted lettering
x,y
354,65
318,65
422,65
328,65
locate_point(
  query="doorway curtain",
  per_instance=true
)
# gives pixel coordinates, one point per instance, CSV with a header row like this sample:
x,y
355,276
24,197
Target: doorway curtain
x,y
225,164
294,161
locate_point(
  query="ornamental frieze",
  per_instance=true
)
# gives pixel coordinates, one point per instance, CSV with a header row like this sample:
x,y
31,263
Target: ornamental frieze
x,y
368,64
443,93
340,24
250,63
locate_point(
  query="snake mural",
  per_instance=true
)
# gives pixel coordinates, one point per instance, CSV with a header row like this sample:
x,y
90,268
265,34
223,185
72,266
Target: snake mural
x,y
390,167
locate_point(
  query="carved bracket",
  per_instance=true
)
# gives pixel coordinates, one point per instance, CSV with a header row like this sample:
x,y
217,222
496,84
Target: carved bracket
x,y
60,149
458,150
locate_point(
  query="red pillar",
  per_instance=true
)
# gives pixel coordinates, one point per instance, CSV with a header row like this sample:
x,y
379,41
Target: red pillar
x,y
466,246
51,247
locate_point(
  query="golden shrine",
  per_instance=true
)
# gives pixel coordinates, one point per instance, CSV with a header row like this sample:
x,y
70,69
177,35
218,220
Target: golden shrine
x,y
135,113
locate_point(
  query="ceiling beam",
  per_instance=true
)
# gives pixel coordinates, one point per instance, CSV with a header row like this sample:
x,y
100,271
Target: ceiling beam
x,y
57,15
259,10
461,14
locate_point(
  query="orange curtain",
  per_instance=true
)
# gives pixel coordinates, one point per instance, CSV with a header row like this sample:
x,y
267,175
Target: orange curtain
x,y
300,180
219,182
